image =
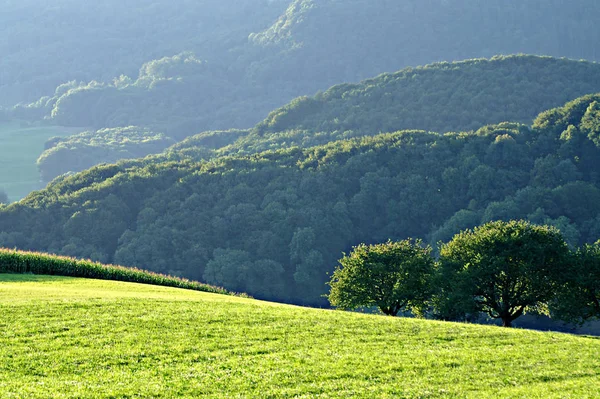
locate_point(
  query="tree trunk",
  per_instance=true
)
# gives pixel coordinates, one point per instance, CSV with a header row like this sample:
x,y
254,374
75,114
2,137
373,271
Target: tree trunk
x,y
387,310
391,310
506,321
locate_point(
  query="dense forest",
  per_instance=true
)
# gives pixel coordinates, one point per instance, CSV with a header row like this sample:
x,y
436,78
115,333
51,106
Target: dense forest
x,y
274,223
84,150
441,97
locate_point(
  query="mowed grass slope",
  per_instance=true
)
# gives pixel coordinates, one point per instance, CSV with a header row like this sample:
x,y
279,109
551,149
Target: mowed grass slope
x,y
20,147
75,338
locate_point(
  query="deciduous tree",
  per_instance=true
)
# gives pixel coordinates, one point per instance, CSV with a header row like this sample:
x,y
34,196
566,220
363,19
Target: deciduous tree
x,y
503,269
578,298
392,276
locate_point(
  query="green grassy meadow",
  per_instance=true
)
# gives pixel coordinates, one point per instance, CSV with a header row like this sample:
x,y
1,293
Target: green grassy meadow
x,y
20,147
64,337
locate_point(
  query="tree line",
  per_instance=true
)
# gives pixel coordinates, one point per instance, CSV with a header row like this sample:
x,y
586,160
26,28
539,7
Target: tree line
x,y
500,269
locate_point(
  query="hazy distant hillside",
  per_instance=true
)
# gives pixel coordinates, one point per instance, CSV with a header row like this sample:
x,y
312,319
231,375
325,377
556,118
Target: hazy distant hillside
x,y
220,65
323,42
46,43
441,97
84,150
273,224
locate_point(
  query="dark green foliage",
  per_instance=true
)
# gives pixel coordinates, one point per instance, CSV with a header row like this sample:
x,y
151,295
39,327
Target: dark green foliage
x,y
578,298
282,213
441,97
233,268
503,269
590,123
393,276
290,212
12,261
81,151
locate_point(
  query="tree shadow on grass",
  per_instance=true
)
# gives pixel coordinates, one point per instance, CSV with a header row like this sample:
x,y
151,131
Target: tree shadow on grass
x,y
590,336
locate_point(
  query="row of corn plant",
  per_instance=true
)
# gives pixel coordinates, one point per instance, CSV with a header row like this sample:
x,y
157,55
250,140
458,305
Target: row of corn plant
x,y
21,262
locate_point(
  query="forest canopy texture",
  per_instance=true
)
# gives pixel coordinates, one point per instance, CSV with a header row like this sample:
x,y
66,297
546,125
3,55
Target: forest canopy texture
x,y
440,97
274,223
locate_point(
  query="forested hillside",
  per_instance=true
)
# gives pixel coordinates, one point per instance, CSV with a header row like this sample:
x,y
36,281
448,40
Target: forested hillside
x,y
269,210
273,224
81,151
440,97
184,67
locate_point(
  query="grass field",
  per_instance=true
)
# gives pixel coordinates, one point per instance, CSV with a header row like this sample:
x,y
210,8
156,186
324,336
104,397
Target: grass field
x,y
74,338
20,147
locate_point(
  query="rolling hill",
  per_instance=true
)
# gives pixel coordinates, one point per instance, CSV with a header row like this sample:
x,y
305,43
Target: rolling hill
x,y
78,338
442,97
274,223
